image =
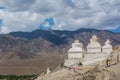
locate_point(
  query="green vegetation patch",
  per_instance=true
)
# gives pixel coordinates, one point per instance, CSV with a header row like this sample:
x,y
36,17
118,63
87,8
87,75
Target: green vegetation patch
x,y
16,77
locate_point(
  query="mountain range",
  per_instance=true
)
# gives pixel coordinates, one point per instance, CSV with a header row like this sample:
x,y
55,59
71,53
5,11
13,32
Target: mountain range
x,y
25,45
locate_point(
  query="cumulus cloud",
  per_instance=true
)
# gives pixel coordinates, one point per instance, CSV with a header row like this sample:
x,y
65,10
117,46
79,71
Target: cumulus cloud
x,y
27,15
19,21
17,5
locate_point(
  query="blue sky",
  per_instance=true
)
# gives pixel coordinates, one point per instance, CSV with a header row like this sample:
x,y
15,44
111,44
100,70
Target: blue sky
x,y
47,24
1,22
116,30
29,15
1,7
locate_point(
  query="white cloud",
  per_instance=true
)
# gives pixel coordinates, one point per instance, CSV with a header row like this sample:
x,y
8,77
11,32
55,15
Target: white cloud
x,y
26,15
19,21
17,5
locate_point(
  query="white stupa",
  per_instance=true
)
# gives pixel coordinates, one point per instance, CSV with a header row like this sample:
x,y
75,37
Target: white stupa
x,y
107,48
75,54
48,70
94,45
76,50
94,54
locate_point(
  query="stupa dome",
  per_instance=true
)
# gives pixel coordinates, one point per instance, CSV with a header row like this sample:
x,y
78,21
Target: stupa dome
x,y
76,47
107,44
94,42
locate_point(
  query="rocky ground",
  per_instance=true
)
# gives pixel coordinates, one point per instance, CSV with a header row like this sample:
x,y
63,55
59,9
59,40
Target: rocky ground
x,y
105,70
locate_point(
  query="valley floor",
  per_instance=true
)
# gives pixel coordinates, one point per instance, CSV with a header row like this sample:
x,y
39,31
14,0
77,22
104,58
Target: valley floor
x,y
36,65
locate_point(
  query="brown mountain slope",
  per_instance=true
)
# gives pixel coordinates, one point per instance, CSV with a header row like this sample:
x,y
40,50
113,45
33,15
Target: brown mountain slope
x,y
26,53
30,44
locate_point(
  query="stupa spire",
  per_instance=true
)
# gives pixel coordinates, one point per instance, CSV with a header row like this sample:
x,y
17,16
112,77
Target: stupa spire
x,y
108,41
94,45
94,38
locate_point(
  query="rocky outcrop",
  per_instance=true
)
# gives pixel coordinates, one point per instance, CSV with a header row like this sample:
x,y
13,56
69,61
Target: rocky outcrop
x,y
113,59
106,70
105,75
